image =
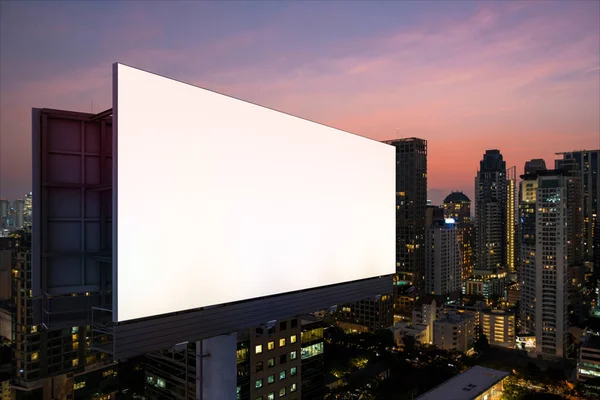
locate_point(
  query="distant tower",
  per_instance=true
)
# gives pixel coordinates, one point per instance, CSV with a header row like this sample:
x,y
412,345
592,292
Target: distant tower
x,y
27,209
4,207
457,206
411,201
491,198
19,216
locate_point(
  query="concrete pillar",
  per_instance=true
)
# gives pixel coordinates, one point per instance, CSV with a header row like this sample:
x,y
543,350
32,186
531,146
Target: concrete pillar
x,y
219,368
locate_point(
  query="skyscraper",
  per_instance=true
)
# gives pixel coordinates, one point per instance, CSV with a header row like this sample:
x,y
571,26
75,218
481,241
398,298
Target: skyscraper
x,y
491,198
443,262
511,221
458,206
527,211
589,171
411,201
557,205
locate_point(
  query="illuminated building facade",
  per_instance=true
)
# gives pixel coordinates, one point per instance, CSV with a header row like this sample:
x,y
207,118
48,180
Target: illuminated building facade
x,y
367,315
491,200
313,364
511,221
499,327
411,201
486,283
455,332
557,207
50,364
527,211
589,172
458,206
275,360
443,268
588,362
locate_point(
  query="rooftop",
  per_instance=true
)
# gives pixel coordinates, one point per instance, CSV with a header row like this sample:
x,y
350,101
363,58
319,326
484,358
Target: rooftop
x,y
467,385
457,197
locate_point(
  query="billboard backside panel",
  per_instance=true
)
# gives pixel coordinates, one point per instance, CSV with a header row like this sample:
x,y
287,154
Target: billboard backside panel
x,y
219,200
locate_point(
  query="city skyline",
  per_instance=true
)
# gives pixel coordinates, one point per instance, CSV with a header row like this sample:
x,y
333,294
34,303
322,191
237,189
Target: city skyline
x,y
467,77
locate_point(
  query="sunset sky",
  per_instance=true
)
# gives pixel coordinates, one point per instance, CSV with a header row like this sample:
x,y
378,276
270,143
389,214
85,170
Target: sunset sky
x,y
522,77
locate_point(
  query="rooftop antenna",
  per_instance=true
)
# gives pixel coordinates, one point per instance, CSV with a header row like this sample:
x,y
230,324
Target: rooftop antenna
x,y
397,133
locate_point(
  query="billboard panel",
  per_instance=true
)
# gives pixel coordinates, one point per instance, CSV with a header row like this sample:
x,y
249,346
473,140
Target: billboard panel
x,y
218,200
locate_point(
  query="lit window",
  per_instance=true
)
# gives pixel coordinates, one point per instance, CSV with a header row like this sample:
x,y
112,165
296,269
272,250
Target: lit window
x,y
293,339
281,392
293,371
75,362
293,388
34,356
258,384
281,342
79,385
34,329
258,349
271,362
282,375
293,355
271,345
271,396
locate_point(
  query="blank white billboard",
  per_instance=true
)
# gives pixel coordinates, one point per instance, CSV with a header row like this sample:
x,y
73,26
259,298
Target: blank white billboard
x,y
219,200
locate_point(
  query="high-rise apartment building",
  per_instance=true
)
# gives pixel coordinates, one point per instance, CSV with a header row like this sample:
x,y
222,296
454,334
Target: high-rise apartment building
x,y
512,226
589,172
458,207
491,200
557,205
411,201
527,232
443,267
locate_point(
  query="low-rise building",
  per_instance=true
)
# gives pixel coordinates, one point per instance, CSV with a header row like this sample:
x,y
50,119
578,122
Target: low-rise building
x,y
588,363
477,383
499,327
486,283
420,333
455,332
